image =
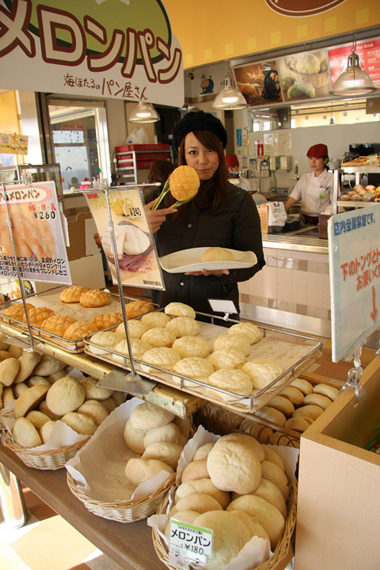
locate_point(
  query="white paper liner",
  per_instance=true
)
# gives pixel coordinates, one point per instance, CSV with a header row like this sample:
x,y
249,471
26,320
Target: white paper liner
x,y
99,467
257,550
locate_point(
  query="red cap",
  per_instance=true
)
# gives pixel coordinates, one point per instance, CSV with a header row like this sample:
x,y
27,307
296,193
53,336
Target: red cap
x,y
232,160
318,151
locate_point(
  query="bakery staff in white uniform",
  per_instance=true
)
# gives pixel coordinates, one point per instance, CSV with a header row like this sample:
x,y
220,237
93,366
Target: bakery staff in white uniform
x,y
314,189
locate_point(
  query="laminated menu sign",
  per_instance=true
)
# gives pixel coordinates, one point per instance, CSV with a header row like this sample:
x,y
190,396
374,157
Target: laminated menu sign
x,y
136,252
354,257
37,234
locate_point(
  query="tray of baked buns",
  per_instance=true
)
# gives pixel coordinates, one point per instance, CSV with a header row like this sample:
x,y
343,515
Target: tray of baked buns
x,y
241,366
64,317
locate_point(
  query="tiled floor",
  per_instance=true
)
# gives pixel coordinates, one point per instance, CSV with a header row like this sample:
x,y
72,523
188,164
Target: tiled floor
x,y
47,542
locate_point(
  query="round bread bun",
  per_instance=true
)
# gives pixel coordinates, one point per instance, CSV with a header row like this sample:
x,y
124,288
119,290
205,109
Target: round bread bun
x,y
25,434
179,310
253,525
274,473
249,330
235,381
303,385
184,425
28,362
299,424
326,390
183,326
170,433
294,395
43,407
138,348
273,457
199,502
318,400
227,358
155,319
165,451
159,337
234,465
37,418
203,451
93,391
94,410
104,341
195,470
188,346
136,308
34,380
79,330
217,254
7,396
162,357
247,440
29,399
139,470
119,397
225,341
94,298
136,329
80,423
134,437
149,416
18,389
46,430
183,516
106,320
311,410
230,534
272,415
9,369
52,378
263,371
48,365
193,367
15,351
271,493
206,486
267,515
65,396
281,404
109,404
72,294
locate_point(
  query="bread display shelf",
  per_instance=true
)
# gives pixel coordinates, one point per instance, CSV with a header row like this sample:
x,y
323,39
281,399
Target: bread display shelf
x,y
295,352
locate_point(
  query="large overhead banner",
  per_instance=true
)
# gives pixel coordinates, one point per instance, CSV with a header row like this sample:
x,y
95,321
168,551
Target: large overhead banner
x,y
120,49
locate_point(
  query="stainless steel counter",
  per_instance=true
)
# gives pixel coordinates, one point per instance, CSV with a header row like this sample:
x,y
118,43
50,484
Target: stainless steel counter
x,y
307,241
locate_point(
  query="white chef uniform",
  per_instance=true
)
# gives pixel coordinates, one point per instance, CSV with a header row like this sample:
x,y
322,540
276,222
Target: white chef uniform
x,y
314,192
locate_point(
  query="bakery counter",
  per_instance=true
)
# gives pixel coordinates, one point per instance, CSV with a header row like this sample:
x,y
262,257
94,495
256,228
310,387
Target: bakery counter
x,y
130,545
297,241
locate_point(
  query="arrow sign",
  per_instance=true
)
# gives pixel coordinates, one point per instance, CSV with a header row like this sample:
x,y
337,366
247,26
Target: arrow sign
x,y
374,310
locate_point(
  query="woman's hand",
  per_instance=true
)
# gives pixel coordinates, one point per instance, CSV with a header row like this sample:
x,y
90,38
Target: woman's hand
x,y
156,217
206,273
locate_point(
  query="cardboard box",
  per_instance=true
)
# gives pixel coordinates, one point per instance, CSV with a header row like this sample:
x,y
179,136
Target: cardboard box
x,y
338,492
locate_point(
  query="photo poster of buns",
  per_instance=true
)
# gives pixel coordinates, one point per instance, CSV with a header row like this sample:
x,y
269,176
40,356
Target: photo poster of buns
x,y
259,83
37,234
137,256
305,76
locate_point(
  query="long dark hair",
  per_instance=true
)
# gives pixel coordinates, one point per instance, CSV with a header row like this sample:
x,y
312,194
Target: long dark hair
x,y
160,171
212,193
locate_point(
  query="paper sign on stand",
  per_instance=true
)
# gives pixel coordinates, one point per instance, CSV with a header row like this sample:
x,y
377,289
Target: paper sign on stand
x,y
137,256
37,234
354,259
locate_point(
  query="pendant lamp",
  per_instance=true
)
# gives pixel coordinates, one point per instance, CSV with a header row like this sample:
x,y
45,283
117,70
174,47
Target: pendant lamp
x,y
144,113
354,80
230,98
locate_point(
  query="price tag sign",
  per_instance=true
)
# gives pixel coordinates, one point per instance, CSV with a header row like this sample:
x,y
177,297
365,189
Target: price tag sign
x,y
189,542
354,258
136,251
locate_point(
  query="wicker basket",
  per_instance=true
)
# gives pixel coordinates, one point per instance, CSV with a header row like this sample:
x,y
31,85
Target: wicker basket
x,y
281,550
45,460
123,511
317,80
5,414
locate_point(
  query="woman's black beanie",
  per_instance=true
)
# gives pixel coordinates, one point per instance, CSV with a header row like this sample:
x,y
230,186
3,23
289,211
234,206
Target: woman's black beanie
x,y
198,121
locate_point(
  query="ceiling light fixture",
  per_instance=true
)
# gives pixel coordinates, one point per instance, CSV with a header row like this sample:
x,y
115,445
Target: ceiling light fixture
x,y
144,113
230,98
354,81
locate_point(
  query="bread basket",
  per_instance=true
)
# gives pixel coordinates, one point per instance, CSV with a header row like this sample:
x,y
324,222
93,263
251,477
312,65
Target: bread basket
x,y
317,80
123,511
45,460
5,414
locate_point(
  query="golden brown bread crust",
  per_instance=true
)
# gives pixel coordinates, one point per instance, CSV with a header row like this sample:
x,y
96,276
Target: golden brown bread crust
x,y
79,330
17,311
57,324
73,294
136,308
106,320
36,315
94,298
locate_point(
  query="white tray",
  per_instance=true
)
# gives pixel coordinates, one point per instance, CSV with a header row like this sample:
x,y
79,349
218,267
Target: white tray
x,y
188,260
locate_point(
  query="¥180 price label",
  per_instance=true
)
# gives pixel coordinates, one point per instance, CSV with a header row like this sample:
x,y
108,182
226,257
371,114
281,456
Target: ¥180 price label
x,y
190,542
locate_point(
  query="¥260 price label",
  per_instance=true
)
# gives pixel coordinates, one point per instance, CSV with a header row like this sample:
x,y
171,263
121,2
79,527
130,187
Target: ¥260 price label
x,y
190,542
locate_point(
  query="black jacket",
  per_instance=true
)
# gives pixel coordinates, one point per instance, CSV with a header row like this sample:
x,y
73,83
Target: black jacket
x,y
235,226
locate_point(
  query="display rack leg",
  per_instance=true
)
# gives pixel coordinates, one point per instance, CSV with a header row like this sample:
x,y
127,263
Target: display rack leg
x,y
12,501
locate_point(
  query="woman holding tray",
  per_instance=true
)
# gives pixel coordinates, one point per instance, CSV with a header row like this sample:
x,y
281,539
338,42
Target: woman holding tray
x,y
219,215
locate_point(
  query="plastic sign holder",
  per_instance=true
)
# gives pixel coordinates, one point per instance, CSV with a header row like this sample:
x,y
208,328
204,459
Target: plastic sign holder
x,y
354,376
223,306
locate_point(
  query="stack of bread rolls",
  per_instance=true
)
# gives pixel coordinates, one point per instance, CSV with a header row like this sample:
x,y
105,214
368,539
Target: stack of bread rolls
x,y
238,488
158,437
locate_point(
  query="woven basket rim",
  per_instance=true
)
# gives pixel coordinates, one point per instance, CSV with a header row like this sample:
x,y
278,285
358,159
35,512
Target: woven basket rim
x,y
88,501
279,553
30,453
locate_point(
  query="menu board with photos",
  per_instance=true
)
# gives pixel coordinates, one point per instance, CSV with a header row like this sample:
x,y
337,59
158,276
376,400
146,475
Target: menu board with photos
x,y
369,54
304,76
259,83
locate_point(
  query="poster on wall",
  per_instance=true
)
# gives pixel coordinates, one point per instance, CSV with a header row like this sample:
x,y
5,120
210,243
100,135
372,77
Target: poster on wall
x,y
136,252
37,234
97,48
259,83
304,76
369,54
354,258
